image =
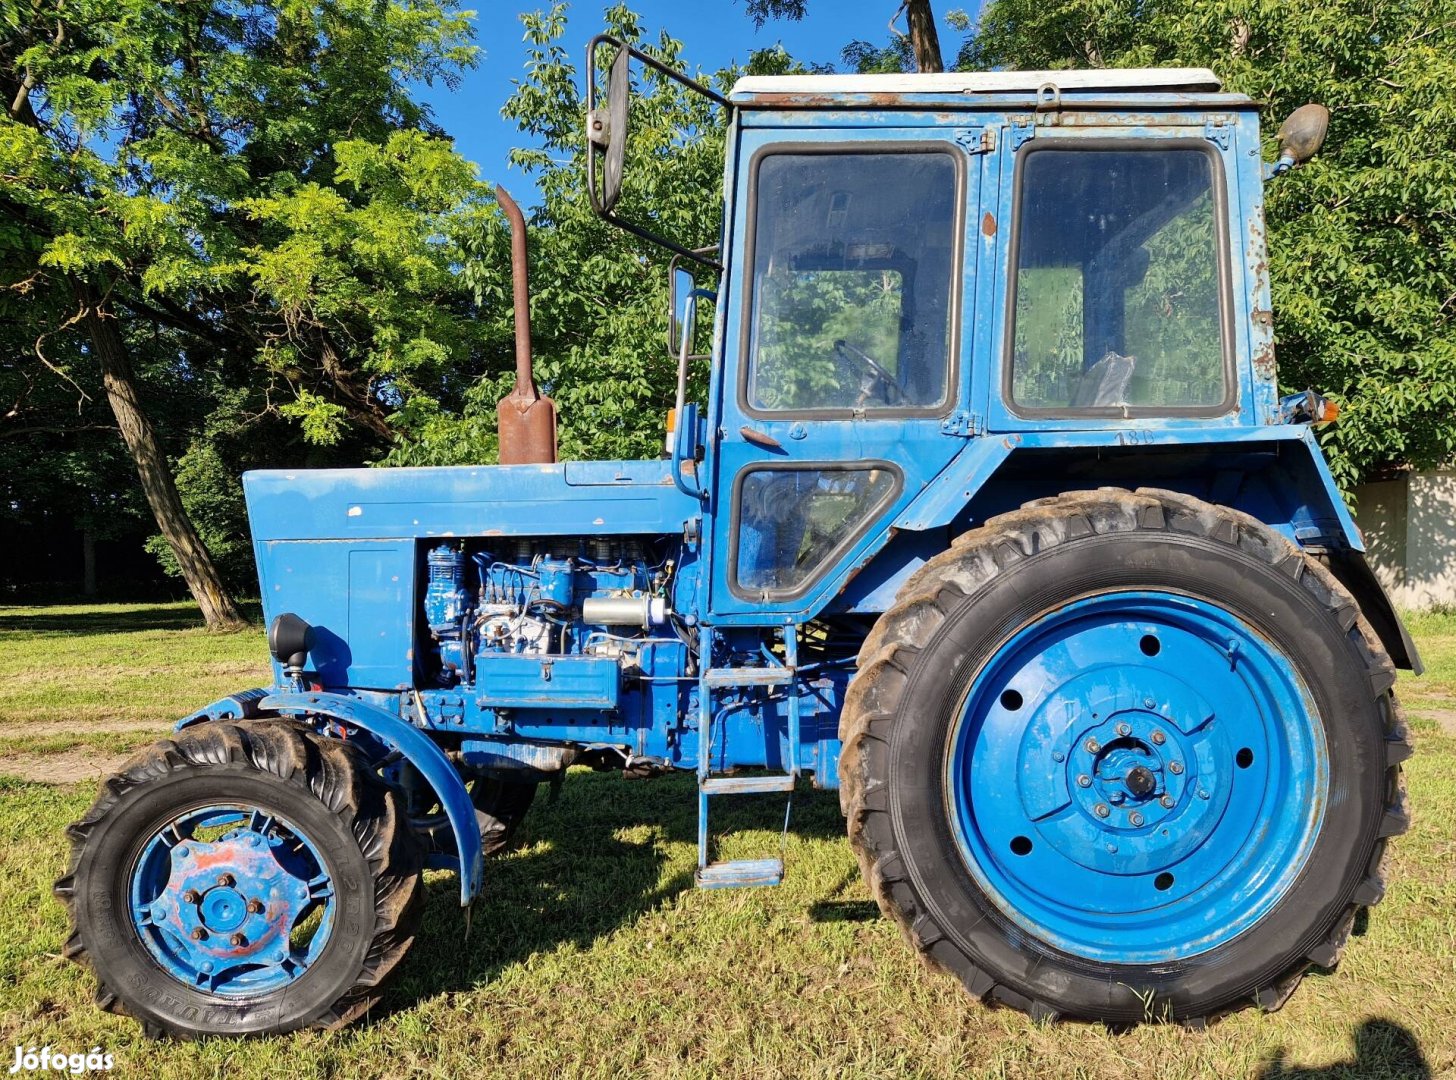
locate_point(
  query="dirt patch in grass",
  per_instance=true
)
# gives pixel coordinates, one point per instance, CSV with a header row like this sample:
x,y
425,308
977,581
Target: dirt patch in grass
x,y
68,767
91,727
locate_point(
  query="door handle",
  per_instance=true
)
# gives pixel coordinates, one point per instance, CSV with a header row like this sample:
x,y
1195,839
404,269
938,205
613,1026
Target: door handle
x,y
760,438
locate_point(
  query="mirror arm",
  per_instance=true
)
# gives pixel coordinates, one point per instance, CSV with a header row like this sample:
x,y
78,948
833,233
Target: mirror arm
x,y
1278,168
593,149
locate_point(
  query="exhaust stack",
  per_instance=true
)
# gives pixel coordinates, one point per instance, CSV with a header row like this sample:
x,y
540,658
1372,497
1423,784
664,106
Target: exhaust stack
x,y
526,419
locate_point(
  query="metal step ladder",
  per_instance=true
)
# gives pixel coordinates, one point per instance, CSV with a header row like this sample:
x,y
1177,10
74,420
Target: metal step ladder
x,y
736,873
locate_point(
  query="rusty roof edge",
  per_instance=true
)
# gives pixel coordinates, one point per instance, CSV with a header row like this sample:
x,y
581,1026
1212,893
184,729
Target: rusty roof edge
x,y
991,103
985,82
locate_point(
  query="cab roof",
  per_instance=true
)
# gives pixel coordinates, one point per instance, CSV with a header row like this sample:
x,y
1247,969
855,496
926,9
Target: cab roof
x,y
857,88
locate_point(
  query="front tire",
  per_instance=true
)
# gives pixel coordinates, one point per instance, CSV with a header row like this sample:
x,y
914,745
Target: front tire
x,y
243,879
1124,757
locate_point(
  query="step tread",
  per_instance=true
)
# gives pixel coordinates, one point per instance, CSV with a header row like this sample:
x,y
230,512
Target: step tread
x,y
746,785
750,676
739,873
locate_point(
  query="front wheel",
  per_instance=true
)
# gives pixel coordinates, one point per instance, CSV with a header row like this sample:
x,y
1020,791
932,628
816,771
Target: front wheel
x,y
1124,757
238,879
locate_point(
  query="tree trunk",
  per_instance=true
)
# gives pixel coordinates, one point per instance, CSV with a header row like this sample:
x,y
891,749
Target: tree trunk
x,y
88,563
218,609
923,37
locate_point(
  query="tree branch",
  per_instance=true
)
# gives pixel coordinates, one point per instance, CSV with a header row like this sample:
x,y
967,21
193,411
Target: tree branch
x,y
52,429
20,105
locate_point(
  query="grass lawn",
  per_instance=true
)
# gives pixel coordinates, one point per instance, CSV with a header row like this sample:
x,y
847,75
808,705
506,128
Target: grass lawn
x,y
591,954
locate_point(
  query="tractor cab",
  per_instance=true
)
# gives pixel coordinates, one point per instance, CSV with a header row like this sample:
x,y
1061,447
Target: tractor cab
x,y
922,277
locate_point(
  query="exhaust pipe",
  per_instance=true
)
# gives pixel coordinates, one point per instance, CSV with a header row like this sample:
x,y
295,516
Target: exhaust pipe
x,y
526,421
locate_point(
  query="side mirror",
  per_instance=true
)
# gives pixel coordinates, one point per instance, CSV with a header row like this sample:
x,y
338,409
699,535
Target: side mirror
x,y
606,130
1301,136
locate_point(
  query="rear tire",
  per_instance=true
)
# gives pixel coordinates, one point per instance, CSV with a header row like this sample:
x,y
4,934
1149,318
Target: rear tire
x,y
243,879
975,756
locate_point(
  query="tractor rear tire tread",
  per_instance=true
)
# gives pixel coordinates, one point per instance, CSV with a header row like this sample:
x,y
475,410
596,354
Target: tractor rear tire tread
x,y
330,771
944,582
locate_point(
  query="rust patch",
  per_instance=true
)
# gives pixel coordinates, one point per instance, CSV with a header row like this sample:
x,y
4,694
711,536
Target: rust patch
x,y
1264,361
828,101
988,224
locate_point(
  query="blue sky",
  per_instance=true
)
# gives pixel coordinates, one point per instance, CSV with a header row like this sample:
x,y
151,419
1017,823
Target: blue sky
x,y
715,34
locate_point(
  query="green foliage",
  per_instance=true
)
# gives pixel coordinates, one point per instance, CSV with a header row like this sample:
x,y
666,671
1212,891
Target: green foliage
x,y
270,214
1362,241
599,295
214,499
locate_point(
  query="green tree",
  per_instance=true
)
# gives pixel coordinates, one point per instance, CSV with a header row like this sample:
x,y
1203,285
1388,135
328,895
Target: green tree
x,y
256,181
1362,241
599,299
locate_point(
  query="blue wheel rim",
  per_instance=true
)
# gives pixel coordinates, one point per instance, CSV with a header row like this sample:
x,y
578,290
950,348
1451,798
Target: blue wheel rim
x,y
1136,778
232,900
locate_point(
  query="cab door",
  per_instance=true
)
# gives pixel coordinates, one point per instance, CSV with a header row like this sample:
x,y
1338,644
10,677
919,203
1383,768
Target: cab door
x,y
844,389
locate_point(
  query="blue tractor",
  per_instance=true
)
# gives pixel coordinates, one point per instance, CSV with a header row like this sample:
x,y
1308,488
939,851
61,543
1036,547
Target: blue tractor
x,y
993,519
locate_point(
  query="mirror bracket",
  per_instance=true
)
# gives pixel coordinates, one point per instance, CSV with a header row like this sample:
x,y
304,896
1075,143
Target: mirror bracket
x,y
674,298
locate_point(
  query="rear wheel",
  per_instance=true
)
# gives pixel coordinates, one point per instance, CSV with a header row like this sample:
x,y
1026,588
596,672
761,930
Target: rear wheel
x,y
1124,757
240,879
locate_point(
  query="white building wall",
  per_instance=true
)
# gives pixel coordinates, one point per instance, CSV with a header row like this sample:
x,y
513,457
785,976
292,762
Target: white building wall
x,y
1409,526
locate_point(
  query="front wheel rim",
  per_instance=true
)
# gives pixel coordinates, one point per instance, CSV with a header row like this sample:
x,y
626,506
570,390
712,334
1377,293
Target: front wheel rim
x,y
232,900
1137,777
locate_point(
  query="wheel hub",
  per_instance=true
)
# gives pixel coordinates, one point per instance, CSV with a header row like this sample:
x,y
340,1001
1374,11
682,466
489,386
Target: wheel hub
x,y
218,904
1123,780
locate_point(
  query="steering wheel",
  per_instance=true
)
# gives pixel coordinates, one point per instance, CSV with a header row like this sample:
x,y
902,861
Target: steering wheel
x,y
890,390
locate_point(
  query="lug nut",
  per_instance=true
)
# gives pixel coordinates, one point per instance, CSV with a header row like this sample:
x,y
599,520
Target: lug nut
x,y
1166,802
227,881
1202,794
1101,810
199,934
1176,768
1084,780
1092,746
190,897
255,907
1148,703
1116,798
1159,738
238,941
1124,729
1135,819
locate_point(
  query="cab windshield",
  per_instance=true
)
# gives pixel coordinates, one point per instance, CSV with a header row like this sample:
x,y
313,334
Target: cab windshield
x,y
853,267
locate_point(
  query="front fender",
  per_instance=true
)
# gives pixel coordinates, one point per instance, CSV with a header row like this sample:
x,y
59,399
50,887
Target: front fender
x,y
421,752
409,741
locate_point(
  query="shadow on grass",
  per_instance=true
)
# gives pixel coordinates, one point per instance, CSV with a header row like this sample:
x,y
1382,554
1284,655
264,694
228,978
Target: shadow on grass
x,y
584,866
85,619
1384,1050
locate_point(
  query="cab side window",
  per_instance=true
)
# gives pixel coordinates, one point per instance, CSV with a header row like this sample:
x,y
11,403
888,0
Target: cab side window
x,y
1116,284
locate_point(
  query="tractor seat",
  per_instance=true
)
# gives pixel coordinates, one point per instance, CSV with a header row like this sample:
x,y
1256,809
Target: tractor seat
x,y
1105,382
